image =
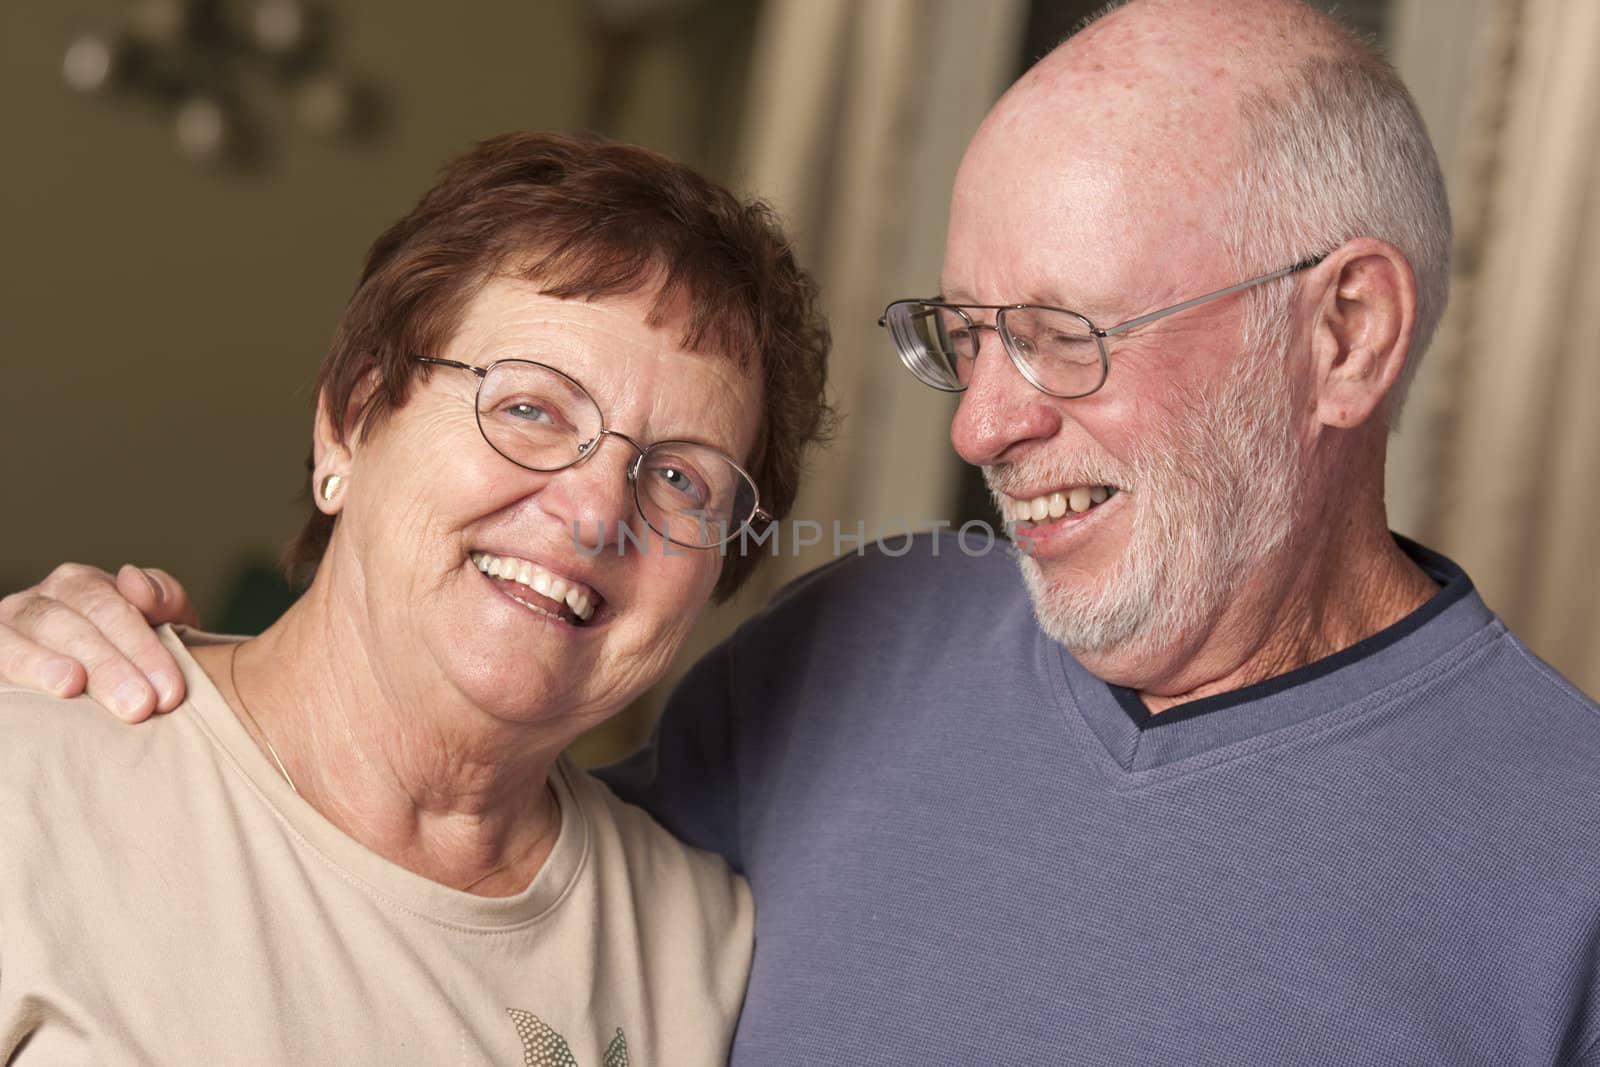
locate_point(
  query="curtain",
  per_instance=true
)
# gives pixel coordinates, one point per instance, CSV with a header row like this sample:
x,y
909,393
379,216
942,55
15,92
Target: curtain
x,y
857,121
1508,467
857,117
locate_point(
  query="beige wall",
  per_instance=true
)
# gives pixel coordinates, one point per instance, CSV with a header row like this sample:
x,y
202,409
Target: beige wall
x,y
161,322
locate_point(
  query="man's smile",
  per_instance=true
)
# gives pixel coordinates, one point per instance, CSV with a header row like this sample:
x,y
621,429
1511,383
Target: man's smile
x,y
1054,504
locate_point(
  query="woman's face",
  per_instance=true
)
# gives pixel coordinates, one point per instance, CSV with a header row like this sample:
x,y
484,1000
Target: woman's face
x,y
427,499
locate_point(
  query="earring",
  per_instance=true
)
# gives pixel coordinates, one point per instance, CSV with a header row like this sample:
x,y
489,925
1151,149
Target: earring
x,y
330,487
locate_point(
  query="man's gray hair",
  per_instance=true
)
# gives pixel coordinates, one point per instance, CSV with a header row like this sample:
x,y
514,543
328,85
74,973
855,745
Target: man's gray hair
x,y
1335,151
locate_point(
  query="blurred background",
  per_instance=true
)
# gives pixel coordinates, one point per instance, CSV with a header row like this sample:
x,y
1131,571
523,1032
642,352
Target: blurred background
x,y
189,187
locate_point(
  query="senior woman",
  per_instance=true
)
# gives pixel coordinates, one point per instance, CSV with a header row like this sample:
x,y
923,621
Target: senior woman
x,y
356,840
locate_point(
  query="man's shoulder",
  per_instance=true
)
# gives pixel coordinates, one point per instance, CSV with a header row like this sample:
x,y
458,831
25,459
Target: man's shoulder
x,y
1526,698
876,626
894,574
1515,745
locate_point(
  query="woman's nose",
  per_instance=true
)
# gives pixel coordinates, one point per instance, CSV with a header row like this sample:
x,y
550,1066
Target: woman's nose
x,y
593,498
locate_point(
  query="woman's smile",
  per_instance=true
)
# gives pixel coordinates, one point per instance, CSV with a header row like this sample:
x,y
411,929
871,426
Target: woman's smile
x,y
540,589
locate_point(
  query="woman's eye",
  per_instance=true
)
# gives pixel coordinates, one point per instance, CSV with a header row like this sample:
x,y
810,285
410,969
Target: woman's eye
x,y
529,411
681,484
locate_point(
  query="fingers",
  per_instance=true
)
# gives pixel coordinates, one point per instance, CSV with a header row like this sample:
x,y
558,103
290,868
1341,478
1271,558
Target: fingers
x,y
35,667
78,613
157,594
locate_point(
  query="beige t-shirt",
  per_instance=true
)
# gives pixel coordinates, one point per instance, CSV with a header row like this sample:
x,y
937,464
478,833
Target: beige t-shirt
x,y
165,898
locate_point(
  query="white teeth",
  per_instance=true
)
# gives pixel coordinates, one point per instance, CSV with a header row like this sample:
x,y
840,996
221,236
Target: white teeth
x,y
535,607
578,598
1054,505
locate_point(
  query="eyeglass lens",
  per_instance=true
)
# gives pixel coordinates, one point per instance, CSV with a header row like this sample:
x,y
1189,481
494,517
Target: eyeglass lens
x,y
939,344
539,418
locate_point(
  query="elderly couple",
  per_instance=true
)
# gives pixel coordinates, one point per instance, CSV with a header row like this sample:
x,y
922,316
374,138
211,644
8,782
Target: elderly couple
x,y
1224,773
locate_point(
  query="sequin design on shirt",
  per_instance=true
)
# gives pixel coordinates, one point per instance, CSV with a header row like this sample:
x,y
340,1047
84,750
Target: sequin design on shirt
x,y
543,1047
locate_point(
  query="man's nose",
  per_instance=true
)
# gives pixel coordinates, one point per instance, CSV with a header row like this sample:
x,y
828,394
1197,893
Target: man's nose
x,y
1000,408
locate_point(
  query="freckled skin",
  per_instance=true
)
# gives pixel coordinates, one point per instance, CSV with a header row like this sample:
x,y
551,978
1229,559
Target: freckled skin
x,y
1102,195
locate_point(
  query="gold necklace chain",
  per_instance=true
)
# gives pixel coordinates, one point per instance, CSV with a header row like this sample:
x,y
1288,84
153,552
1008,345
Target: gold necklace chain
x,y
484,878
233,680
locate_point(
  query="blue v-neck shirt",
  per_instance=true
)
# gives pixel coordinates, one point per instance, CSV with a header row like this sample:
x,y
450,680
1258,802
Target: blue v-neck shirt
x,y
965,849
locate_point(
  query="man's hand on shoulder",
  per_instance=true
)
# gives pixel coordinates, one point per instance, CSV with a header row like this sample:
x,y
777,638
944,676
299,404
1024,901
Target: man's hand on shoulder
x,y
82,629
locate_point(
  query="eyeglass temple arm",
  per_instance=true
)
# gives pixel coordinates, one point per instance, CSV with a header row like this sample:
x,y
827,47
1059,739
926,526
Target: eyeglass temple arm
x,y
1123,327
479,371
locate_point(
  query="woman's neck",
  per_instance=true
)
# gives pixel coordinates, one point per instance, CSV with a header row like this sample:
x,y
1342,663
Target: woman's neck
x,y
402,764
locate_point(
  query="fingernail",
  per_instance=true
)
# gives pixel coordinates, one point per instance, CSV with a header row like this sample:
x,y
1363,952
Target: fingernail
x,y
166,686
155,586
129,698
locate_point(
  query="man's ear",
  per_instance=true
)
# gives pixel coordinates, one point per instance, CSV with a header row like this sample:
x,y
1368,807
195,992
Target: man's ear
x,y
1361,336
334,446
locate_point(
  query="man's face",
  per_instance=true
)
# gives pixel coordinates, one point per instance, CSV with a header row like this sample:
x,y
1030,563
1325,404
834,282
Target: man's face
x,y
1193,433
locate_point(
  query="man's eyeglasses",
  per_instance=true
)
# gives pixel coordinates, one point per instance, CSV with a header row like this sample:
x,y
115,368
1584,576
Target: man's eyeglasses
x,y
541,419
1059,352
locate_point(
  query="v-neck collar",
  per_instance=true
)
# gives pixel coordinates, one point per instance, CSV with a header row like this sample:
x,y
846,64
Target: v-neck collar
x,y
1452,623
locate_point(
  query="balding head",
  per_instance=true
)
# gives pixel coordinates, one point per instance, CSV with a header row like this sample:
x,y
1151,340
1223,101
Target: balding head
x,y
1173,70
1260,128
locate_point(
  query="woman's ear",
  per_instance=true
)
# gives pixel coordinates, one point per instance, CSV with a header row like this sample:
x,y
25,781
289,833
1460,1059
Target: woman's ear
x,y
1362,334
334,447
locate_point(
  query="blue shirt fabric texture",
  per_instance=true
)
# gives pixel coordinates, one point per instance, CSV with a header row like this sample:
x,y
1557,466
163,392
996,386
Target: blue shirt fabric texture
x,y
965,849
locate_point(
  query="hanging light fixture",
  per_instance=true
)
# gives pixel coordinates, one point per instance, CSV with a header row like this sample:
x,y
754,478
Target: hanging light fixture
x,y
233,77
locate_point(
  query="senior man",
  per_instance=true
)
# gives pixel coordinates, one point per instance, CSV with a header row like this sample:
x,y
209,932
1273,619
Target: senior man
x,y
1227,773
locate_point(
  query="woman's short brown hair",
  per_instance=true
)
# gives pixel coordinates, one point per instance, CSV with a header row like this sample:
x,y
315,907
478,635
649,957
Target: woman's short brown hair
x,y
588,218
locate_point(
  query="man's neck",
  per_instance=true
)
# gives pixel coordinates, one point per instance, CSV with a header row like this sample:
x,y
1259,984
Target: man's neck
x,y
1291,614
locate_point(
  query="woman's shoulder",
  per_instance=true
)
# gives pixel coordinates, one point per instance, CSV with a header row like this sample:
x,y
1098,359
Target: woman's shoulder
x,y
635,832
623,834
680,913
33,725
51,746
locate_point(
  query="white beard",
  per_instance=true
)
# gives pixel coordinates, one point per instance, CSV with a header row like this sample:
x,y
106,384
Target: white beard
x,y
1214,492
